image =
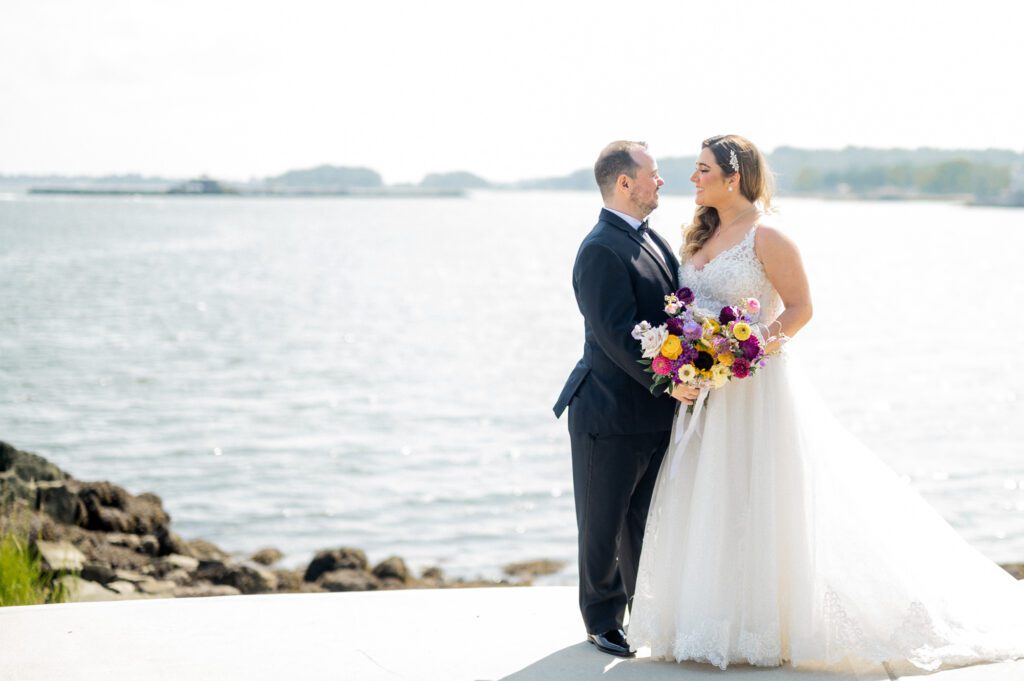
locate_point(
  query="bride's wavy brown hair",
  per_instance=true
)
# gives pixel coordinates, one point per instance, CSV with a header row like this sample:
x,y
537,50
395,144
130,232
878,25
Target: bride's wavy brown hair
x,y
756,184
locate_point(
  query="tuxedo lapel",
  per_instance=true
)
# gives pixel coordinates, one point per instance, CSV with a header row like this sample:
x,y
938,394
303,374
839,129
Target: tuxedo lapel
x,y
670,257
613,219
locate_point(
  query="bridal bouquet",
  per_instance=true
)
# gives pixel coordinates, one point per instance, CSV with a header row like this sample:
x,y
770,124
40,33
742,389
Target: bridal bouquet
x,y
698,349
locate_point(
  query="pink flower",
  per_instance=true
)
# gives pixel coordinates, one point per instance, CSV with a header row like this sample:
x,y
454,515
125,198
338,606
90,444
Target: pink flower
x,y
740,367
662,365
753,305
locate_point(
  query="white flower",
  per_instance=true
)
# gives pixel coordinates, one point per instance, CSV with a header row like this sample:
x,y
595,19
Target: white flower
x,y
640,329
652,340
687,373
720,375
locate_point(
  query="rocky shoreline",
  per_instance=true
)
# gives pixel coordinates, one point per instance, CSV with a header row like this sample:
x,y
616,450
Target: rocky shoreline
x,y
103,543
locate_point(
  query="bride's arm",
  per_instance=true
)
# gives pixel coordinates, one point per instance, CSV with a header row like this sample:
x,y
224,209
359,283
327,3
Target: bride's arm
x,y
781,260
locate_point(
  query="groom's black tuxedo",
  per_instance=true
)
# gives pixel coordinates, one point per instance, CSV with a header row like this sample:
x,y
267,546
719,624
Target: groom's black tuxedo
x,y
618,430
619,281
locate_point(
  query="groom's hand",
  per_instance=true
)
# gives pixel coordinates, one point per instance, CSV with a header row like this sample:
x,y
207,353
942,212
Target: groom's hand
x,y
685,393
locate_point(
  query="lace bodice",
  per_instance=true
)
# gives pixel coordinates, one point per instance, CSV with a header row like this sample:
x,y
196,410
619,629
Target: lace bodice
x,y
732,276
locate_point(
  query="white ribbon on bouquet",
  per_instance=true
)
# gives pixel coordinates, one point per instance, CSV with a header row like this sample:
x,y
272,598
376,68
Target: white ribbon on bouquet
x,y
684,429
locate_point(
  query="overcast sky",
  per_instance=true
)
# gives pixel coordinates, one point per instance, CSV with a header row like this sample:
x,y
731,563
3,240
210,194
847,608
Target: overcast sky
x,y
507,90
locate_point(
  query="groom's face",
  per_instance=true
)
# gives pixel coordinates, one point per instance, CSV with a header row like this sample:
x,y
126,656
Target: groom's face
x,y
643,192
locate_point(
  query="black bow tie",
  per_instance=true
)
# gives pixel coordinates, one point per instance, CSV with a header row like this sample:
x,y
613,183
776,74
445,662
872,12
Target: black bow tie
x,y
643,228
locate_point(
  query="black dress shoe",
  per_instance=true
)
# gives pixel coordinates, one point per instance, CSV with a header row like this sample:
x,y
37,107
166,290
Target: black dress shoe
x,y
612,642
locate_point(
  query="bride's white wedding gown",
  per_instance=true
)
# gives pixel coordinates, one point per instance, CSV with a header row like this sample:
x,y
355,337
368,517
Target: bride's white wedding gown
x,y
779,538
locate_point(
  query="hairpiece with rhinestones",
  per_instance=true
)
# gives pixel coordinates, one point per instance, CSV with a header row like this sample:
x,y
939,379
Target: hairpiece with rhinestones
x,y
733,161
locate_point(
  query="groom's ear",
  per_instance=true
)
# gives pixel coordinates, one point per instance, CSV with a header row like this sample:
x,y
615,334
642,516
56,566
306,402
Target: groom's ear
x,y
623,181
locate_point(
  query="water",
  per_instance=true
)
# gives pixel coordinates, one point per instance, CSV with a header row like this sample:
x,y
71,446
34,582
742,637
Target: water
x,y
311,373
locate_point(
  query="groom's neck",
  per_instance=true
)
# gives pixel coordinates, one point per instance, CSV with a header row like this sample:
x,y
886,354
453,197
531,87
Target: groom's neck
x,y
627,208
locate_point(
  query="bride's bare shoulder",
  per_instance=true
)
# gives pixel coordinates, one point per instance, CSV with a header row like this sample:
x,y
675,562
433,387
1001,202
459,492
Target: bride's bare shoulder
x,y
772,238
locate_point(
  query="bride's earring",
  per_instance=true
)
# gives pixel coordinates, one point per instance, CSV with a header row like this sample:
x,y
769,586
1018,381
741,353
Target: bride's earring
x,y
730,187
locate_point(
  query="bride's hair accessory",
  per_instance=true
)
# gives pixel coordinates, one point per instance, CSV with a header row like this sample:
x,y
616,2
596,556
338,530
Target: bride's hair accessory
x,y
733,161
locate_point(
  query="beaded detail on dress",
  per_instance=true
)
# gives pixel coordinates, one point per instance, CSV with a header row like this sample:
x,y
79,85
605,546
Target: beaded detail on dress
x,y
733,275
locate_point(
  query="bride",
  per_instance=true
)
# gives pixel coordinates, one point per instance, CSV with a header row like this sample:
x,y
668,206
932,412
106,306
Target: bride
x,y
773,535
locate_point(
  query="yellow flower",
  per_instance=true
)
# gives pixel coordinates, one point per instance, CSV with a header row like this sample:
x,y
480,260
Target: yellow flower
x,y
711,327
687,373
741,331
672,348
720,375
726,359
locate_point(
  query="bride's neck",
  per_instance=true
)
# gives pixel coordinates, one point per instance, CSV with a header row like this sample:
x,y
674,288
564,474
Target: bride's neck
x,y
728,215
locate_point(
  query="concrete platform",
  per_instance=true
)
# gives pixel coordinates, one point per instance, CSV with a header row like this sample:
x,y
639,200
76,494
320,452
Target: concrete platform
x,y
518,634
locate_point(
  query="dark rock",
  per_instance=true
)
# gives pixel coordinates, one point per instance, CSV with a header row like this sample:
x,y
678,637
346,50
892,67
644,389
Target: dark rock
x,y
60,502
172,544
267,556
348,580
149,545
335,559
98,572
109,508
117,557
393,568
15,491
246,578
27,466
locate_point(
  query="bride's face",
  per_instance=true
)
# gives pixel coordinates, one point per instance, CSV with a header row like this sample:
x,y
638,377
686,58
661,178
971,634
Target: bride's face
x,y
710,182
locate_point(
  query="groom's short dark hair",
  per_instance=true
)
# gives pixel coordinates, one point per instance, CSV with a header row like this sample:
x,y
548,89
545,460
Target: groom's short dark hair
x,y
616,159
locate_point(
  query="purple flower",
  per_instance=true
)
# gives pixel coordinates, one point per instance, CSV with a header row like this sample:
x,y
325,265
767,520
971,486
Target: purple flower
x,y
728,314
740,368
692,330
687,356
674,326
751,348
684,294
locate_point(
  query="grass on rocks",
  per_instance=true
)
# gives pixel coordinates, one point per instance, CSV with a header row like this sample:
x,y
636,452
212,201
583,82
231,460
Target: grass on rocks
x,y
22,580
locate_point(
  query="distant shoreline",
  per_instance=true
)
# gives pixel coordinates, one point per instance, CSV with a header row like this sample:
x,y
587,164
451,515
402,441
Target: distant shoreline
x,y
382,192
417,192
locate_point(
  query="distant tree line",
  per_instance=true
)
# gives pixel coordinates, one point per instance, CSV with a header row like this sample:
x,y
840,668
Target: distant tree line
x,y
949,177
853,170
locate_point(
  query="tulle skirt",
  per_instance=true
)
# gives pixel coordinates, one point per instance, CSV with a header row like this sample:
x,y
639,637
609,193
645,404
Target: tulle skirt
x,y
774,536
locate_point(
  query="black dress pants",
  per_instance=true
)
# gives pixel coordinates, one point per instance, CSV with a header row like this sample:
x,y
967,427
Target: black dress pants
x,y
613,481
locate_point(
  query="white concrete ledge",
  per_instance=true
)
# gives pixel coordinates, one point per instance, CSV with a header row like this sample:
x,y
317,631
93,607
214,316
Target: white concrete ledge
x,y
518,634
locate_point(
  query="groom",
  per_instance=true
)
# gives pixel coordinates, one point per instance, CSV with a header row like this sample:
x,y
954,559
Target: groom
x,y
618,430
